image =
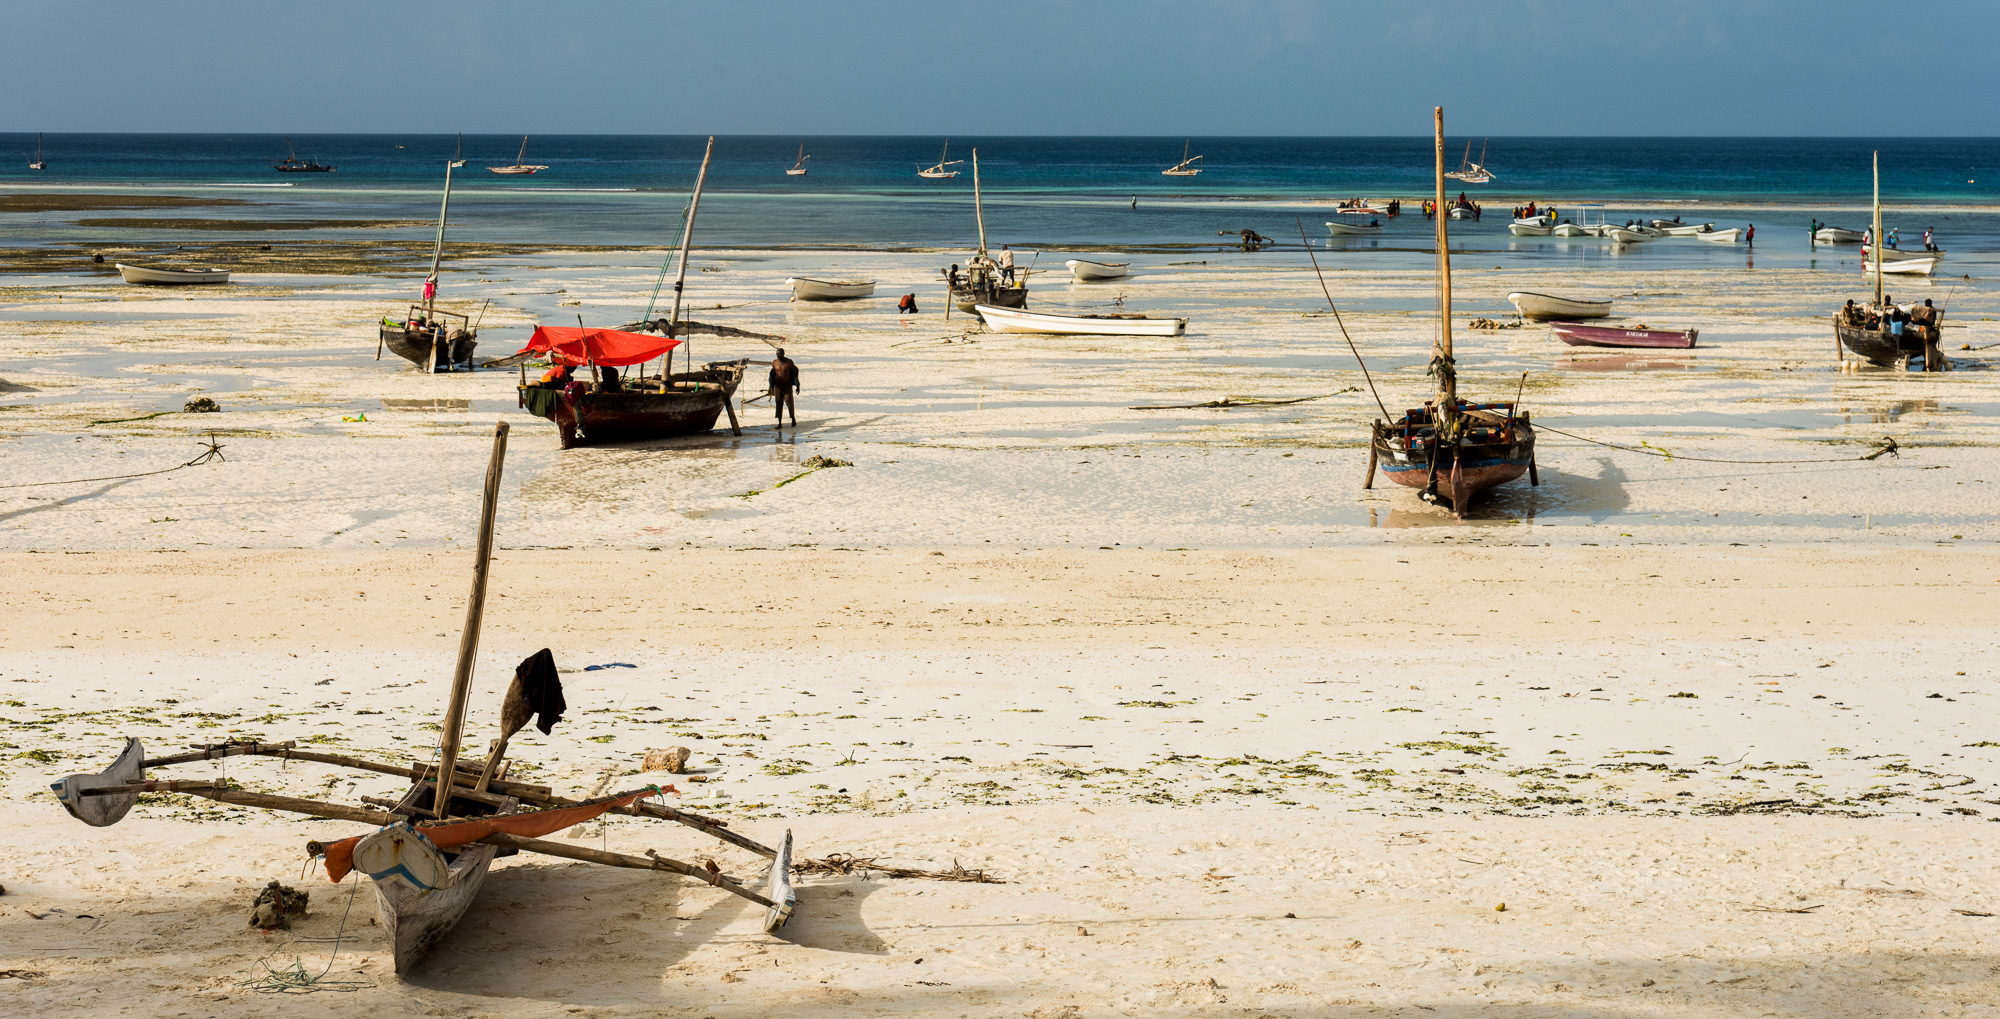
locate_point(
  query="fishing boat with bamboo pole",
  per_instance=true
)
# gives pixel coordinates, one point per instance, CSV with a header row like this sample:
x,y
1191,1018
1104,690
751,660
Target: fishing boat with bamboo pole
x,y
601,405
1450,448
1186,167
799,168
1882,333
428,336
983,282
431,845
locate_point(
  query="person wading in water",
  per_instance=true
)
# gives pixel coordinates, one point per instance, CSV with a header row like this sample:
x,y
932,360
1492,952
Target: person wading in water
x,y
784,383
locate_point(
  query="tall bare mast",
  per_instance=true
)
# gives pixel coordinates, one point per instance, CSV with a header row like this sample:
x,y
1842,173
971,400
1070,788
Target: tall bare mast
x,y
1446,374
1877,243
978,206
687,240
437,248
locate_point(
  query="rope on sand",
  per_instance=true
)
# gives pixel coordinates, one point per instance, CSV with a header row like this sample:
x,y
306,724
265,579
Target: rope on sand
x,y
213,452
1888,445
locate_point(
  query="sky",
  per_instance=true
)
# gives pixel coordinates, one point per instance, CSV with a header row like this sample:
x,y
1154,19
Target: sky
x,y
1004,67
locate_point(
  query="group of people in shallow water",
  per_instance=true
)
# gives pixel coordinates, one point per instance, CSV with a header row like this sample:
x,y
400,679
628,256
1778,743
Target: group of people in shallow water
x,y
1431,208
1919,323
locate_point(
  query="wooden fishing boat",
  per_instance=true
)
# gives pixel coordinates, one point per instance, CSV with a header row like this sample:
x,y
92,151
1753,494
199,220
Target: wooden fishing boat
x,y
1729,236
1186,167
293,164
1007,320
808,289
1548,306
685,403
1614,336
1451,449
428,336
983,283
1837,235
520,165
1871,334
942,170
430,850
1339,229
799,168
39,163
1085,271
163,276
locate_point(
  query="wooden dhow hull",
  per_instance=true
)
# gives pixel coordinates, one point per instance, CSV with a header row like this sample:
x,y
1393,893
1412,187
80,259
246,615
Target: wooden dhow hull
x,y
1499,448
969,297
1879,347
591,418
416,349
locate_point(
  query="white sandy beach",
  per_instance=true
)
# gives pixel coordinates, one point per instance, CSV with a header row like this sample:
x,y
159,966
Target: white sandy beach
x,y
1239,736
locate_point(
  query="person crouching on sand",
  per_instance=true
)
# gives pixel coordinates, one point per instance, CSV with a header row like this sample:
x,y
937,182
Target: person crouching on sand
x,y
784,383
907,306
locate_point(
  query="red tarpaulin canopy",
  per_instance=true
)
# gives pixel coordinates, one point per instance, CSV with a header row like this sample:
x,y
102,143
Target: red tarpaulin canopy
x,y
577,345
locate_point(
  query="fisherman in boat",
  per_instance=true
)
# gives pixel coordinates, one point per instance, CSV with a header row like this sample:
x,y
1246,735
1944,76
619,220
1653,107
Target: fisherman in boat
x,y
951,276
784,383
1924,322
1006,265
1929,244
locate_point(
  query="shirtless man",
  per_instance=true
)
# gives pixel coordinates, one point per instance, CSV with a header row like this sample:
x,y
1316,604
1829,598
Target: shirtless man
x,y
784,383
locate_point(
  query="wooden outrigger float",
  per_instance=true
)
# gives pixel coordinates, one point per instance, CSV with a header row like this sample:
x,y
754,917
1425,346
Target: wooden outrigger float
x,y
432,847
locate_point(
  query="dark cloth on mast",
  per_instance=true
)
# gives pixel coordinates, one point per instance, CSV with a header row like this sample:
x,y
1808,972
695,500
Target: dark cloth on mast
x,y
541,689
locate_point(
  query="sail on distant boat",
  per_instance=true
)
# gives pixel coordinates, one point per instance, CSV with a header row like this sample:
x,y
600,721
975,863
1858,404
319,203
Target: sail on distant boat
x,y
293,164
1469,171
520,164
939,172
1184,168
799,168
38,164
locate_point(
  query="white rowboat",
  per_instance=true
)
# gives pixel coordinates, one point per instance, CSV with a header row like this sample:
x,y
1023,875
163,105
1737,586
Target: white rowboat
x,y
1836,235
1537,226
1547,306
805,289
1570,230
1624,236
148,274
1905,265
1007,320
1086,271
1728,236
1339,229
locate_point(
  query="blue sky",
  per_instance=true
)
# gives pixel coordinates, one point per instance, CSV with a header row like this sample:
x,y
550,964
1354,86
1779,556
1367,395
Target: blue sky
x,y
1037,67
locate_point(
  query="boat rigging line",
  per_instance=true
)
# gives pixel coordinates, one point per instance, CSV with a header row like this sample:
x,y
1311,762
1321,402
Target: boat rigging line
x,y
213,452
1338,321
1887,445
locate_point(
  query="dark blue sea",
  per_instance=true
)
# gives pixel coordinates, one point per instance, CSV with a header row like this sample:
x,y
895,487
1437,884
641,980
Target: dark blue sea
x,y
864,192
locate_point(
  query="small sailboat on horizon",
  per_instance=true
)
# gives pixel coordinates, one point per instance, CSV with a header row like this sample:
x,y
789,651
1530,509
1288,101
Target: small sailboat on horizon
x,y
520,164
293,164
799,168
939,172
39,163
1469,171
1184,168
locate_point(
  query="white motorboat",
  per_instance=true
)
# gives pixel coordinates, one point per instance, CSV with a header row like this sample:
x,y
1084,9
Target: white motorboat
x,y
1086,271
1626,235
1902,263
1682,229
1009,320
1729,236
1339,229
152,274
1461,212
1570,230
1184,168
1533,226
941,171
1548,306
1837,235
807,289
520,164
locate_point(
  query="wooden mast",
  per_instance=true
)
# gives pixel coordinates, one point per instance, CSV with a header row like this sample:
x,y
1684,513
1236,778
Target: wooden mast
x,y
1447,375
468,640
1877,244
687,240
437,247
978,207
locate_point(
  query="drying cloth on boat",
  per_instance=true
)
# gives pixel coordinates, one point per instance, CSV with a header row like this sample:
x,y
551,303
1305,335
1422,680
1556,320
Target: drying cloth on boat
x,y
541,689
540,401
577,345
446,837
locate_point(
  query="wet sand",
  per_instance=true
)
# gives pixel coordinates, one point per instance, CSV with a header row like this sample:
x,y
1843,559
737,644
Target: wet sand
x,y
1171,675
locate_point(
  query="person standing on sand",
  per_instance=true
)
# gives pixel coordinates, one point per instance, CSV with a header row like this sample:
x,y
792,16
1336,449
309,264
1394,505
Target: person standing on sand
x,y
1750,235
1135,203
784,383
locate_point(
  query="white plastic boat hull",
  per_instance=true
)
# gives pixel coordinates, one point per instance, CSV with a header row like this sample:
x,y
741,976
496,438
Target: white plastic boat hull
x,y
1087,271
1918,265
1546,306
1008,320
145,274
1569,230
1524,228
1728,236
1835,235
1685,229
804,289
1461,213
1624,236
1339,229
